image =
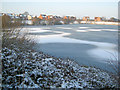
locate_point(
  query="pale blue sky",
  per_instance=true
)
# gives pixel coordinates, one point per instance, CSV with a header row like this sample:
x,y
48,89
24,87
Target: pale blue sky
x,y
78,9
59,0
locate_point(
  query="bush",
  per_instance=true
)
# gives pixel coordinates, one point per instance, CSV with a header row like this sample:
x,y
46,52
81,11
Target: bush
x,y
11,34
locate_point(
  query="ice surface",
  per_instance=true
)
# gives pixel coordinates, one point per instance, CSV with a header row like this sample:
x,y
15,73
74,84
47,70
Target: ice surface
x,y
103,50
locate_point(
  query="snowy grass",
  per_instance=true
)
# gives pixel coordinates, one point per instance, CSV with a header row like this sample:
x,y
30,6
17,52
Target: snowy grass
x,y
30,69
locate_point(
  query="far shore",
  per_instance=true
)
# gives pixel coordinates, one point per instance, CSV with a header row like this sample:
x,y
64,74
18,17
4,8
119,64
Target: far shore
x,y
29,22
100,23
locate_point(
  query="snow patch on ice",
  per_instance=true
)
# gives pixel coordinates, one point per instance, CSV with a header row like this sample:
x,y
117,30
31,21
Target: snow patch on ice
x,y
84,27
82,30
94,29
63,27
109,29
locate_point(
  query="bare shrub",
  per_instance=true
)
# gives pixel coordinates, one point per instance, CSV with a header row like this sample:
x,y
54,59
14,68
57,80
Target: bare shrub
x,y
115,64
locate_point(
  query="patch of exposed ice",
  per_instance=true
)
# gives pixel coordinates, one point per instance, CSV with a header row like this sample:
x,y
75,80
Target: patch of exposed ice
x,y
0,76
106,54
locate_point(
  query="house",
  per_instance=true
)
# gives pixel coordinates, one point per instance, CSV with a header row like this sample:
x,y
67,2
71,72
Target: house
x,y
66,17
86,18
26,13
10,15
14,16
49,17
75,22
72,18
62,22
112,19
42,16
44,22
57,17
69,17
29,17
97,19
103,18
36,20
22,16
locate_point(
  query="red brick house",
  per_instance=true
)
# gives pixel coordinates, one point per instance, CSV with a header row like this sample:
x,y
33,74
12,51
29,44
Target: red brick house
x,y
97,19
86,18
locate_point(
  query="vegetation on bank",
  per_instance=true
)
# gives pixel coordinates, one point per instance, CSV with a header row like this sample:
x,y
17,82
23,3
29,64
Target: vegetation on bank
x,y
30,69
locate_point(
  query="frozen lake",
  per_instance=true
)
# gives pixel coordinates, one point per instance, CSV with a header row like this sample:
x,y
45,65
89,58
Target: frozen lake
x,y
92,45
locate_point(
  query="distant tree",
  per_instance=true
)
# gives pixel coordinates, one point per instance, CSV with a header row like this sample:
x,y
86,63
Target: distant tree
x,y
10,30
35,20
112,19
26,13
6,21
57,22
50,21
66,21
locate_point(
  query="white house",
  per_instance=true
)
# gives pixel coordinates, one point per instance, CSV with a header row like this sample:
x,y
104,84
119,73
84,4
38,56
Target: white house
x,y
75,22
29,17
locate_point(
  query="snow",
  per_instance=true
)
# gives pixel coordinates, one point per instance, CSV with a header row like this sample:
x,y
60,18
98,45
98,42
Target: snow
x,y
82,30
99,22
101,47
39,31
84,27
64,28
36,30
94,29
22,75
109,29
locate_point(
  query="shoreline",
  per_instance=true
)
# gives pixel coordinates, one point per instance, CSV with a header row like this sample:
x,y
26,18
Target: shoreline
x,y
100,23
77,22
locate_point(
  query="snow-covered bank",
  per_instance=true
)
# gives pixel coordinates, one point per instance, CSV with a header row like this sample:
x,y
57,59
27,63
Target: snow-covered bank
x,y
100,23
30,69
